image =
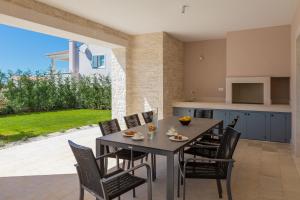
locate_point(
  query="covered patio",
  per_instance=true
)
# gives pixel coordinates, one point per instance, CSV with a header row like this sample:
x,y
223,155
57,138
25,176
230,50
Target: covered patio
x,y
181,72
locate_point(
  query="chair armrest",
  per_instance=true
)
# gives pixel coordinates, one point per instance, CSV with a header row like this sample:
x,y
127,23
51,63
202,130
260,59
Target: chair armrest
x,y
105,155
104,180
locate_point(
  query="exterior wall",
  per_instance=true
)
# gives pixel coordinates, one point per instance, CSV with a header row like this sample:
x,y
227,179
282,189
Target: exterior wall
x,y
205,76
144,75
295,82
118,77
85,65
173,71
259,52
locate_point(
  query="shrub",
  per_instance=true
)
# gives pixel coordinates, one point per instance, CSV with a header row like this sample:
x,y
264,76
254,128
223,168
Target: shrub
x,y
25,92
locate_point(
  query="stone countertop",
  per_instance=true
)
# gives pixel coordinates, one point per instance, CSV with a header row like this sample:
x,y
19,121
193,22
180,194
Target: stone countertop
x,y
226,106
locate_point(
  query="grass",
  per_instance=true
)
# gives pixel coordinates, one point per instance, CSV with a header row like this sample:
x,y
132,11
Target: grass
x,y
24,126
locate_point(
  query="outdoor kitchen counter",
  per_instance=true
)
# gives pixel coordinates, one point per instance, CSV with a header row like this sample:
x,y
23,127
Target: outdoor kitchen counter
x,y
226,106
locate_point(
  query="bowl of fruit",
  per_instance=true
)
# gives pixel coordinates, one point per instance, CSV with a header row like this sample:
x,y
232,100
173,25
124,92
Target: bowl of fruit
x,y
185,120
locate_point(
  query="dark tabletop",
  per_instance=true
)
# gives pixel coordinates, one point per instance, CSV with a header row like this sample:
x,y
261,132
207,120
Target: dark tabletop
x,y
161,141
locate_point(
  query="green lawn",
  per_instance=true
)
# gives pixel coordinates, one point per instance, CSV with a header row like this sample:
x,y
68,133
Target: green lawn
x,y
23,126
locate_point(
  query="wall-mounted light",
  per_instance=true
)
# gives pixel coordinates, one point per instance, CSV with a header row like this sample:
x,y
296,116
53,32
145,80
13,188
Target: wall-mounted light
x,y
184,8
201,58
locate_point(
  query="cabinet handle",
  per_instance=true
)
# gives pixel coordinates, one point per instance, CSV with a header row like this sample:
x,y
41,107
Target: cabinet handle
x,y
272,115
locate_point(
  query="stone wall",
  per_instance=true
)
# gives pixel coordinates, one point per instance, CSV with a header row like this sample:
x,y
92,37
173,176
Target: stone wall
x,y
145,73
154,73
118,78
173,72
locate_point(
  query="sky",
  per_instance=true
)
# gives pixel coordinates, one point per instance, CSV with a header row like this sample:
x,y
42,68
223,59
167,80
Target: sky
x,y
26,50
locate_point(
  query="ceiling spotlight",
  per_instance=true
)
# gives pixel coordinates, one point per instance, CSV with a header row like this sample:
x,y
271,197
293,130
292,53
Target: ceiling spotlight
x,y
183,9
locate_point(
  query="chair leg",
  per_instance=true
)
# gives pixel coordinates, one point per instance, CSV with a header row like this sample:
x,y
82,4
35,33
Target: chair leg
x,y
178,183
123,165
219,188
128,164
81,194
183,178
133,191
228,187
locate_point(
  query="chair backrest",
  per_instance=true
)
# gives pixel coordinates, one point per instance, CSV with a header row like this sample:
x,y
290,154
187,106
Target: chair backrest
x,y
227,146
198,113
88,171
148,116
132,121
234,122
109,127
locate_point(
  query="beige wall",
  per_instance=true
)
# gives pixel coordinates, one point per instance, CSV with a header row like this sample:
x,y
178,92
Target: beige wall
x,y
207,75
145,73
259,52
173,72
295,82
154,73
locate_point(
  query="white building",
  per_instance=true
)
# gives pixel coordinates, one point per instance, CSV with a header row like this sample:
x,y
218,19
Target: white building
x,y
84,59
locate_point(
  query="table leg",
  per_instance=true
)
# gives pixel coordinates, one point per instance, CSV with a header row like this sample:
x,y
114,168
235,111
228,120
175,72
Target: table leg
x,y
153,165
170,177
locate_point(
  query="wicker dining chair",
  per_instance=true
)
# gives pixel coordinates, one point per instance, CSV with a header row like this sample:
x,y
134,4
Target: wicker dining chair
x,y
134,121
105,186
208,145
112,126
148,116
218,168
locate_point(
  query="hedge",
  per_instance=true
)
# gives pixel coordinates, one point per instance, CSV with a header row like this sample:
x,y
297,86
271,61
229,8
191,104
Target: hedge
x,y
27,92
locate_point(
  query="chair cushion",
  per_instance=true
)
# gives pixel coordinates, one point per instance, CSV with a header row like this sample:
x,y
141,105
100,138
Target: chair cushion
x,y
204,170
122,184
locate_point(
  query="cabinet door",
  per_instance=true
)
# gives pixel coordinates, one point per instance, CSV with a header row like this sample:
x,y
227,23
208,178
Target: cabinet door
x,y
241,123
278,127
183,112
256,125
221,115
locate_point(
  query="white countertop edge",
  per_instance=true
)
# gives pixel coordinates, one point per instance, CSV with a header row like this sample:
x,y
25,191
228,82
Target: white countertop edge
x,y
225,106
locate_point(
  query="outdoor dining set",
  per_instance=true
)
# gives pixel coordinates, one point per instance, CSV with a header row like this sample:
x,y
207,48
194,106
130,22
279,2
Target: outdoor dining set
x,y
199,146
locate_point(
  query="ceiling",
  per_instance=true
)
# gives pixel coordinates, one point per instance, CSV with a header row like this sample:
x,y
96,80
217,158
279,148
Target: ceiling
x,y
204,19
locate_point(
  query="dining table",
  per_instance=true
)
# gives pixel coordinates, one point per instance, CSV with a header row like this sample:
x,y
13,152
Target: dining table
x,y
159,143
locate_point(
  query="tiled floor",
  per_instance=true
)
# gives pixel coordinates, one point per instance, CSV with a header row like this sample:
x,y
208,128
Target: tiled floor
x,y
263,171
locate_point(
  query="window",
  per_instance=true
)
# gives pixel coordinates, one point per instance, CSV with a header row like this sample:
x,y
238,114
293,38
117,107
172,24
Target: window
x,y
98,62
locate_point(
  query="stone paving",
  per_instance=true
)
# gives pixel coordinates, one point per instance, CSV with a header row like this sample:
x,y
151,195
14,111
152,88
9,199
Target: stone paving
x,y
49,155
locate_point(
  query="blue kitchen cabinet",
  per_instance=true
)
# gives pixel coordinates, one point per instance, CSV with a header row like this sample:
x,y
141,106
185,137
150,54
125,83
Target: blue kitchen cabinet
x,y
256,125
183,112
280,125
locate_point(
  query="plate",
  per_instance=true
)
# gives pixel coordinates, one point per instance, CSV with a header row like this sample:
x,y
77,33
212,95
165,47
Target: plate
x,y
138,138
171,133
184,138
